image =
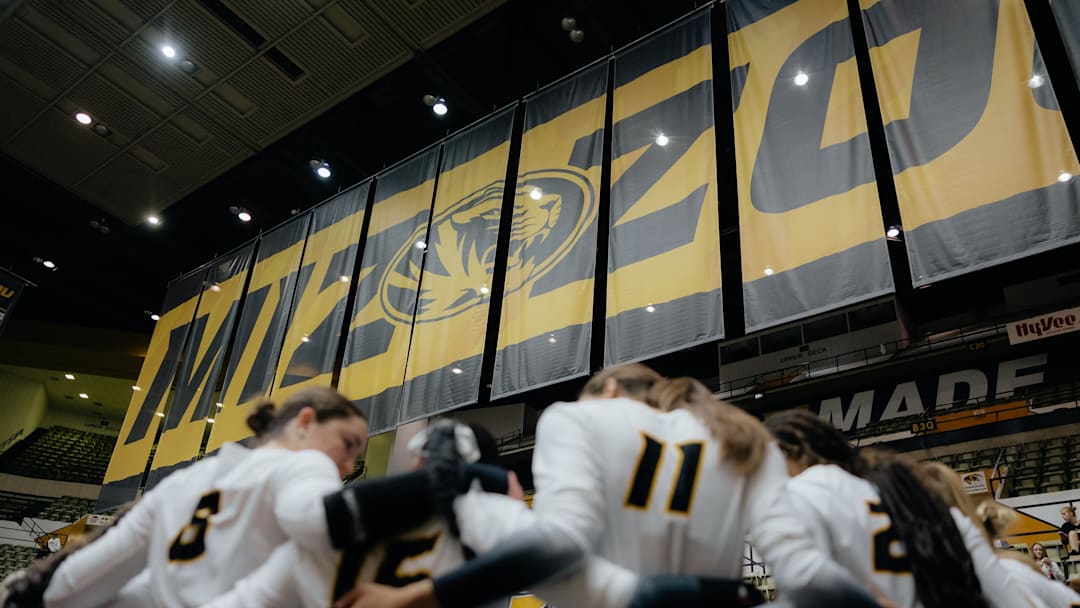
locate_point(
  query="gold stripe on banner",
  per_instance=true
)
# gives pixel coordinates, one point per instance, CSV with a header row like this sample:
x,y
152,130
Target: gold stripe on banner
x,y
809,216
373,367
260,331
447,345
204,358
139,429
544,332
981,157
318,312
664,214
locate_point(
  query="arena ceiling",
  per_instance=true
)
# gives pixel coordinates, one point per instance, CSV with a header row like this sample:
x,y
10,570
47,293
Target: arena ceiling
x,y
253,92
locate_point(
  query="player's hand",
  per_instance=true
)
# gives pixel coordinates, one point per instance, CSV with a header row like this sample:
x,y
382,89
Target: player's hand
x,y
420,594
514,489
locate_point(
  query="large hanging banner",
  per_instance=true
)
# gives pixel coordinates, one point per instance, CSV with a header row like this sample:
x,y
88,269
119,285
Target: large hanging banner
x,y
377,347
812,237
139,430
450,322
194,400
11,287
982,162
1067,14
664,205
546,323
318,312
260,331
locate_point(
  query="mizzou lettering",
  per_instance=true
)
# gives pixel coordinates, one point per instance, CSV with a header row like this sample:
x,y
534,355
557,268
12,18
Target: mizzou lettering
x,y
6,292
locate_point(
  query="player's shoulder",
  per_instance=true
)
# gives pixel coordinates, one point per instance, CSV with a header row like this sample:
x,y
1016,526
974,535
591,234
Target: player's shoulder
x,y
616,408
831,478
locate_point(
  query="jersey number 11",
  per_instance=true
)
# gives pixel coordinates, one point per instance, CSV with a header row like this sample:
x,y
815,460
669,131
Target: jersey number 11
x,y
682,492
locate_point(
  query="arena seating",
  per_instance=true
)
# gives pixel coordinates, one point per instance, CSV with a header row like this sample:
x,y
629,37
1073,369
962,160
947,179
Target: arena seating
x,y
61,454
13,557
15,506
1035,467
66,508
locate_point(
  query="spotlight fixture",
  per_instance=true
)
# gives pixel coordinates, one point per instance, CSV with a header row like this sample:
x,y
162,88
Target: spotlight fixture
x,y
83,118
420,245
1064,176
51,265
650,308
215,287
456,370
893,232
153,220
241,213
83,396
569,24
102,130
344,278
69,376
758,395
168,51
1036,81
305,338
101,225
769,271
437,104
552,340
160,414
577,36
136,388
536,194
484,289
210,420
155,317
801,78
662,140
188,66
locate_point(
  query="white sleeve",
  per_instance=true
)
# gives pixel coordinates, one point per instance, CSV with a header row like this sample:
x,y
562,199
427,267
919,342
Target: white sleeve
x,y
270,586
299,487
568,476
999,586
787,526
94,575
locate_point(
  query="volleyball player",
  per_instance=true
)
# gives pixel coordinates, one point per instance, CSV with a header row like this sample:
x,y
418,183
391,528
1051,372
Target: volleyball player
x,y
655,476
877,519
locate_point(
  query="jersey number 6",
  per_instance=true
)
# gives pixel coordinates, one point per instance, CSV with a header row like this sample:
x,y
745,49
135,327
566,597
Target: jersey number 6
x,y
190,542
682,492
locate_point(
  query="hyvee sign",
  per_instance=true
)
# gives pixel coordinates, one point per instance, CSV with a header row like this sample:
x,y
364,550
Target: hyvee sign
x,y
1036,328
940,392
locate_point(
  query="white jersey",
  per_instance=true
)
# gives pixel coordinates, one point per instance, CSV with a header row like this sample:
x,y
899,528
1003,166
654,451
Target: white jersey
x,y
298,576
842,513
646,489
205,527
1052,593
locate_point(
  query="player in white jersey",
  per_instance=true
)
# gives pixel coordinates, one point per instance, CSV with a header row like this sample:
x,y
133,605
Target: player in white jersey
x,y
656,476
208,525
884,524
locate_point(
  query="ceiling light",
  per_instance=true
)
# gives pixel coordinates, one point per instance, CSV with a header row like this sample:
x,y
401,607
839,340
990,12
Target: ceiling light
x,y
650,308
160,414
69,376
344,279
83,118
768,271
569,23
1064,176
49,264
552,340
102,130
801,78
420,245
136,388
155,317
220,405
244,216
168,51
84,396
484,289
455,370
577,35
210,420
153,220
320,167
893,232
662,140
305,338
758,395
188,66
439,107
536,194
215,287
1036,81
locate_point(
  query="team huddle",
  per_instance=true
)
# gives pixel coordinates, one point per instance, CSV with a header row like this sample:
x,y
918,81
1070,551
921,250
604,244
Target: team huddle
x,y
647,489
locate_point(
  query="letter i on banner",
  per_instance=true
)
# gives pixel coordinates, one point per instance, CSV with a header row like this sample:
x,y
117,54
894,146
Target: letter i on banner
x,y
318,313
373,368
545,329
664,220
260,331
982,162
450,323
194,401
139,429
812,236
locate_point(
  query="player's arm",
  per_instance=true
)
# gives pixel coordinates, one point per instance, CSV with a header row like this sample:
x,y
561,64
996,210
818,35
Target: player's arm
x,y
95,574
999,587
271,585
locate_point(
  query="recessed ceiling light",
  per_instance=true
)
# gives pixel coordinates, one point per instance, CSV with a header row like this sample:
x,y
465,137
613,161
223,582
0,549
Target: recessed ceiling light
x,y
83,118
244,216
84,396
153,220
188,66
650,308
662,140
439,107
893,232
1036,81
1064,176
323,171
344,279
168,51
552,340
536,194
102,130
801,78
155,317
69,376
49,264
768,271
456,370
484,289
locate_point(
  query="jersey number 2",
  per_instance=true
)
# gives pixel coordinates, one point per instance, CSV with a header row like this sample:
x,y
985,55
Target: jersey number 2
x,y
884,538
682,493
190,542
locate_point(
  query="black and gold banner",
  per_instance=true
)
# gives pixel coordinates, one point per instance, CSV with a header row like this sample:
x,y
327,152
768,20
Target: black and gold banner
x,y
318,312
546,324
982,161
137,433
1067,14
664,220
451,318
11,287
260,331
194,401
812,237
377,347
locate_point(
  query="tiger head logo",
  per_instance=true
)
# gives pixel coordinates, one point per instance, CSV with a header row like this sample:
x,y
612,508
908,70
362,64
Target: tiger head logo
x,y
552,211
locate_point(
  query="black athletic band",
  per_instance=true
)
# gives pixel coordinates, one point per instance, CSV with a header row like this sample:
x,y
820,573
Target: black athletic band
x,y
694,592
